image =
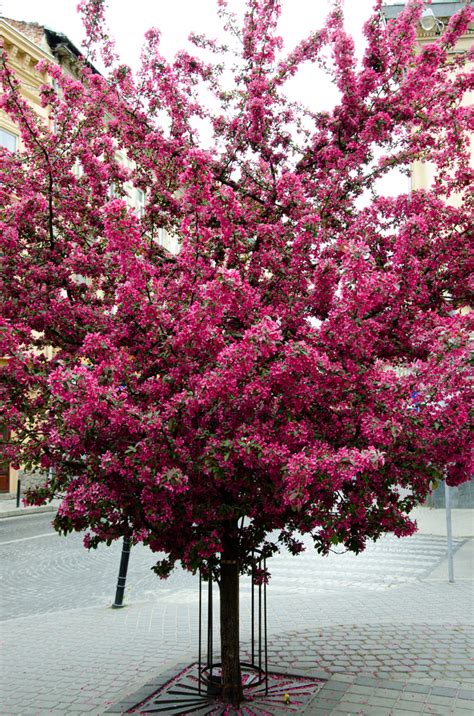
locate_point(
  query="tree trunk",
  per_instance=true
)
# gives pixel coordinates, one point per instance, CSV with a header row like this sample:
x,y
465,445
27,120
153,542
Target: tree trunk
x,y
232,691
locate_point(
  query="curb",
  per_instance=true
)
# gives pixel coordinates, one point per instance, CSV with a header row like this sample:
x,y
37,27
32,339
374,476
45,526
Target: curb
x,y
21,511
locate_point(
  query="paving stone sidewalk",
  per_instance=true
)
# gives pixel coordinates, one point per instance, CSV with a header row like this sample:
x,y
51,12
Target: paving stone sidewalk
x,y
373,670
404,650
8,507
386,669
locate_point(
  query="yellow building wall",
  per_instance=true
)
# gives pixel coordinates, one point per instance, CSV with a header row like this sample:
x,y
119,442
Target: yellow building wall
x,y
24,53
23,56
423,172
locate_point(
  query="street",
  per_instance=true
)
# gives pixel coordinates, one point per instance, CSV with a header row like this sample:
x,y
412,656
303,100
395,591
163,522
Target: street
x,y
44,572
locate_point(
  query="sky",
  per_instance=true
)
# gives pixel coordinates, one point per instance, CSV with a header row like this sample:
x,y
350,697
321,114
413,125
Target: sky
x,y
176,18
128,21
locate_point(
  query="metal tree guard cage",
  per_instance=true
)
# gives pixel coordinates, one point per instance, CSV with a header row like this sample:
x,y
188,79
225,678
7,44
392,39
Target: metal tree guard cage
x,y
197,688
209,682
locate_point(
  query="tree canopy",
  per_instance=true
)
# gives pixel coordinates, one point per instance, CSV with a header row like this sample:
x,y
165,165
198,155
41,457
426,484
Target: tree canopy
x,y
300,366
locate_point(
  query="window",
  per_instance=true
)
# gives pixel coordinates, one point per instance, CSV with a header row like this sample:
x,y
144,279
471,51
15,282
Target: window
x,y
78,169
140,203
8,140
112,191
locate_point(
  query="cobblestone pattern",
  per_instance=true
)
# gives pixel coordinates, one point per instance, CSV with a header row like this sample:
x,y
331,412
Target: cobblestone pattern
x,y
376,616
85,660
348,697
415,652
57,573
376,697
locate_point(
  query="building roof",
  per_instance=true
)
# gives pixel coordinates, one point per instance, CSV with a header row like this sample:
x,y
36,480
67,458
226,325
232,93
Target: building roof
x,y
441,8
32,30
56,43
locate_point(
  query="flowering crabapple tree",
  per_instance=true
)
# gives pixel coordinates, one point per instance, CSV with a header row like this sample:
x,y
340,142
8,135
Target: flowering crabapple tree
x,y
257,385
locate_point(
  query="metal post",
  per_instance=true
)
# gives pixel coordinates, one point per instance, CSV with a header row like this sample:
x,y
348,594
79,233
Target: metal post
x,y
122,578
252,607
18,493
214,682
449,531
265,627
209,627
260,619
200,633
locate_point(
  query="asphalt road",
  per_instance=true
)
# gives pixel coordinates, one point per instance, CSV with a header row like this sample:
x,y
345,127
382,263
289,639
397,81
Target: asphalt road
x,y
25,526
43,572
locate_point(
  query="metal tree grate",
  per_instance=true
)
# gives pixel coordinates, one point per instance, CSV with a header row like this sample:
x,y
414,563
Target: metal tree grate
x,y
278,694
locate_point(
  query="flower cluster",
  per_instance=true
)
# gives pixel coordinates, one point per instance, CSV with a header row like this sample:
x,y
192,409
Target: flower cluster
x,y
262,379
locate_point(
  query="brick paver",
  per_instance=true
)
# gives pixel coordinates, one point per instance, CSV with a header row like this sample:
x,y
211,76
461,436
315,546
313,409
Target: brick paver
x,y
84,660
402,647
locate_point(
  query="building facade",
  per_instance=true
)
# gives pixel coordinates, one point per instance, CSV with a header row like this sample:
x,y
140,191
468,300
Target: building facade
x,y
435,18
26,43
